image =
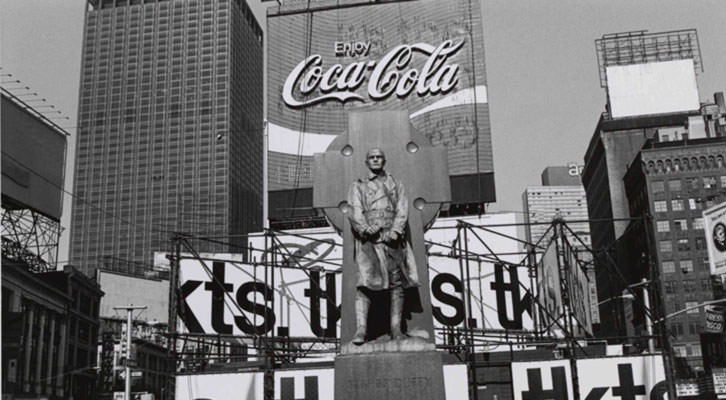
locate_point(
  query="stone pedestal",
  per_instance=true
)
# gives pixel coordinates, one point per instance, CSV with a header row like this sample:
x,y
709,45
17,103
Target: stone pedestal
x,y
415,375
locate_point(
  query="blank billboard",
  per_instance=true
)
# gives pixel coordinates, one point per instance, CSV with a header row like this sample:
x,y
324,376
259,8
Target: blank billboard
x,y
652,88
33,162
123,289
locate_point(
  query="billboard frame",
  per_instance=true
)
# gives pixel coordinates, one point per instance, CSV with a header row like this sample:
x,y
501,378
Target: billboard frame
x,y
274,351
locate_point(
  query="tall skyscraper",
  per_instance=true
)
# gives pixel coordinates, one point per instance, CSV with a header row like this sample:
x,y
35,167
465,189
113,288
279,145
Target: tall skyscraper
x,y
170,128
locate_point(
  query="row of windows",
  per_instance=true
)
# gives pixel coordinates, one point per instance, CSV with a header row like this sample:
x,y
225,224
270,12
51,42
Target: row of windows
x,y
689,286
678,205
674,185
679,225
683,245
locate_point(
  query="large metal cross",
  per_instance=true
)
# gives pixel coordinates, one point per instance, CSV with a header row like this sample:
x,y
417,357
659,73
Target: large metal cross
x,y
412,160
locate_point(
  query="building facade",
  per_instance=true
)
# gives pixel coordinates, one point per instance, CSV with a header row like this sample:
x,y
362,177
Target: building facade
x,y
170,128
560,196
82,317
49,325
670,183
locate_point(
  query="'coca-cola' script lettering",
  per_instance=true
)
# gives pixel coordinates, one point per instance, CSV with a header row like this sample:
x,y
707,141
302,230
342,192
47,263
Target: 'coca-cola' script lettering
x,y
389,75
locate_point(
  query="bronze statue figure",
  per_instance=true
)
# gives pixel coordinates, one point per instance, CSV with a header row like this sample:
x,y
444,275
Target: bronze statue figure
x,y
384,258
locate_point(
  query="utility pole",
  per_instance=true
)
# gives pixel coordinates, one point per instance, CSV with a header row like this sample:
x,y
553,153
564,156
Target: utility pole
x,y
127,370
648,318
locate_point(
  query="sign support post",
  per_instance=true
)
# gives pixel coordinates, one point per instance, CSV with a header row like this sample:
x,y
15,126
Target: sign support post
x,y
127,368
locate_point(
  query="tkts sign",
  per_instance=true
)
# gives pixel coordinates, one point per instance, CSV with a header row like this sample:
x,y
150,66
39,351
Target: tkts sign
x,y
301,295
310,83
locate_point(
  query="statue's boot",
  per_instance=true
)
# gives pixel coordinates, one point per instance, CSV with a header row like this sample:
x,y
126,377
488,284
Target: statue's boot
x,y
396,313
362,304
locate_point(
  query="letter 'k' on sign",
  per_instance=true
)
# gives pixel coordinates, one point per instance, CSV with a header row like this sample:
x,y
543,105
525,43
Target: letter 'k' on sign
x,y
410,159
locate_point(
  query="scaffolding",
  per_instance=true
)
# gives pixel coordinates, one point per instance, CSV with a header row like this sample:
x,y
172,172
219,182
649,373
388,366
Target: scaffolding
x,y
30,239
561,325
640,47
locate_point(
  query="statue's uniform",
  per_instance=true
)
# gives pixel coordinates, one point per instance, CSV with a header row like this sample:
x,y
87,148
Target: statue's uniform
x,y
379,201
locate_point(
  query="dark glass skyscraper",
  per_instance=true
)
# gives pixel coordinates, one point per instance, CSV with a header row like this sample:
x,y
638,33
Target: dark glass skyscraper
x,y
170,128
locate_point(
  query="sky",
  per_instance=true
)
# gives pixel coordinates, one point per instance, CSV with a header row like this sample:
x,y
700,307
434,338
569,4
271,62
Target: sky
x,y
542,73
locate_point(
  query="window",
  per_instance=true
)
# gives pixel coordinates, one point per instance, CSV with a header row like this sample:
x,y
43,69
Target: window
x,y
660,206
670,287
677,205
674,185
680,225
686,266
658,187
694,204
698,224
709,182
689,285
663,226
669,267
700,243
665,246
690,304
706,284
683,245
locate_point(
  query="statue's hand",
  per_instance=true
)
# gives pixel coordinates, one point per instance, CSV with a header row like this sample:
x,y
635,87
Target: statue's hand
x,y
371,230
389,236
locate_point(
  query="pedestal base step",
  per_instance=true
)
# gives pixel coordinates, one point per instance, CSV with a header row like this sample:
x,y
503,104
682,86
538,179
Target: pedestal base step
x,y
390,376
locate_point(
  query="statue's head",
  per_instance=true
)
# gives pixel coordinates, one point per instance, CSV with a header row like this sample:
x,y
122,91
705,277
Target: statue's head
x,y
375,160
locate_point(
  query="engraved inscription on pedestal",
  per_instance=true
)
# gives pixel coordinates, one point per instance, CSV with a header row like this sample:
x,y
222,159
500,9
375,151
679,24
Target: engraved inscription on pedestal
x,y
392,376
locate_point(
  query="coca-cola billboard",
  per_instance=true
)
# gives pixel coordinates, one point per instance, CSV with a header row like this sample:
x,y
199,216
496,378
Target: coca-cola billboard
x,y
425,57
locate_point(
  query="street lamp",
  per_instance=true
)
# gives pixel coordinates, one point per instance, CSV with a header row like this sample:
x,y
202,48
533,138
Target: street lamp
x,y
705,303
624,296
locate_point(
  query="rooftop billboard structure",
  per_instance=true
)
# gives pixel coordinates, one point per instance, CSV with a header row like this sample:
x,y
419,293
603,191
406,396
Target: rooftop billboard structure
x,y
641,47
425,57
33,161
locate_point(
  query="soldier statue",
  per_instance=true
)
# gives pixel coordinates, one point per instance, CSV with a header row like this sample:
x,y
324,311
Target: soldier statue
x,y
383,255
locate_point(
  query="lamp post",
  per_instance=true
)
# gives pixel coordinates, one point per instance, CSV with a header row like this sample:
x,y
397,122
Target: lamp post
x,y
705,303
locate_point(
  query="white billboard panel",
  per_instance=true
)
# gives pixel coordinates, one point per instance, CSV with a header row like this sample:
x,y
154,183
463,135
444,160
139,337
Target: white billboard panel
x,y
604,378
579,286
121,289
296,383
301,295
242,386
498,286
652,88
548,289
616,378
714,220
550,379
291,384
